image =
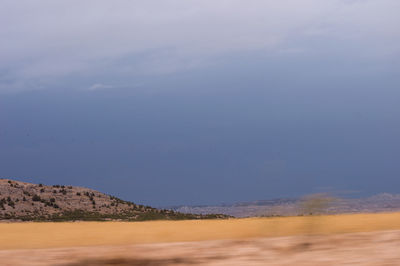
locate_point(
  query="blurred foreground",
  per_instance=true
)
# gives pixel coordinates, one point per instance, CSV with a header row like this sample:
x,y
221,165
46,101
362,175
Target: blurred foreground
x,y
376,248
362,239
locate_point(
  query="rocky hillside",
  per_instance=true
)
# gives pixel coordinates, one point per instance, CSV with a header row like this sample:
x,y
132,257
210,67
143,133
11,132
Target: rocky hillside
x,y
27,202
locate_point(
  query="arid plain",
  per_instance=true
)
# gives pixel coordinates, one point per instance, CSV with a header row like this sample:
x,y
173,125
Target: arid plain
x,y
358,239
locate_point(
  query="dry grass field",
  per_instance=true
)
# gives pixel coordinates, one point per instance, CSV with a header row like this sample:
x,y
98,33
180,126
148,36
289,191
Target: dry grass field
x,y
204,242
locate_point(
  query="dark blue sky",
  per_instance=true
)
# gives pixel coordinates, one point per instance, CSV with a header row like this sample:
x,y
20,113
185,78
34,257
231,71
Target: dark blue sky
x,y
207,137
216,103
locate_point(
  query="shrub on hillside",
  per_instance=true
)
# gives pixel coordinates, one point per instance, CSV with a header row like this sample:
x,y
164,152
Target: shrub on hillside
x,y
36,198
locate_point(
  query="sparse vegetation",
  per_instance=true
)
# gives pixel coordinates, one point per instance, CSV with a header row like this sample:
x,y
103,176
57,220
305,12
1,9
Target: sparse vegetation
x,y
11,204
2,202
36,198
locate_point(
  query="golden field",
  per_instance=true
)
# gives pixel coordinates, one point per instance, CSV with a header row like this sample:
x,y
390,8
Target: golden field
x,y
30,235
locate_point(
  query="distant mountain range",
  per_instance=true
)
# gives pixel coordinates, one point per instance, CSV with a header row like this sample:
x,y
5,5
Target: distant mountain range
x,y
384,202
38,202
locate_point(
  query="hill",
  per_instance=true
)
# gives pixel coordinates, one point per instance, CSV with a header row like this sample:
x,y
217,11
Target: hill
x,y
38,202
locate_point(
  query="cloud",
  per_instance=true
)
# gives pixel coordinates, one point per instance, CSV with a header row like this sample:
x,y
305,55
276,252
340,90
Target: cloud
x,y
99,86
45,41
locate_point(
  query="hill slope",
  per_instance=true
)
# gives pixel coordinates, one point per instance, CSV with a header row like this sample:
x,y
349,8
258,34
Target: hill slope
x,y
27,202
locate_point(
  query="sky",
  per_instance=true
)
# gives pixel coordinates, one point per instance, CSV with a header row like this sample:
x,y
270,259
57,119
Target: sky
x,y
202,102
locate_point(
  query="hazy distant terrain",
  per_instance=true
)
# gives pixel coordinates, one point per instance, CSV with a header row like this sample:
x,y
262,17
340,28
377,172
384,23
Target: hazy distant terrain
x,y
384,202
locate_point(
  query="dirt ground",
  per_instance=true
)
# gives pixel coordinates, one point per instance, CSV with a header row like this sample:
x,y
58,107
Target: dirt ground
x,y
372,248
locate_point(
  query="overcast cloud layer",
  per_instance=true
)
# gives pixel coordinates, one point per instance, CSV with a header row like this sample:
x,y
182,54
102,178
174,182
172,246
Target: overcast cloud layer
x,y
45,43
